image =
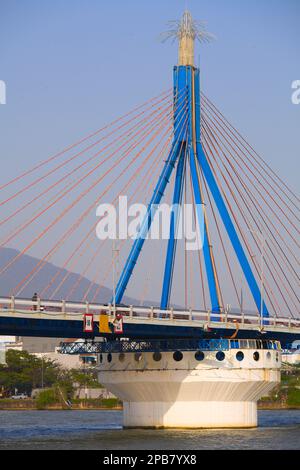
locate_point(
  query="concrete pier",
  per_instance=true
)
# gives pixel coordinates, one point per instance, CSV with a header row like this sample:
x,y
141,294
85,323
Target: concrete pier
x,y
191,389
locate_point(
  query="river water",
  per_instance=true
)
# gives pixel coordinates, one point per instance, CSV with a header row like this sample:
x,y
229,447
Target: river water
x,y
102,430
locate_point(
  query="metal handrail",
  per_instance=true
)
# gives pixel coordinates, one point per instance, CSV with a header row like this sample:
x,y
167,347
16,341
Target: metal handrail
x,y
131,313
165,346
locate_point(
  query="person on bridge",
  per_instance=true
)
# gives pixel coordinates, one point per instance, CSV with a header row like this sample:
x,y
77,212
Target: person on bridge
x,y
34,299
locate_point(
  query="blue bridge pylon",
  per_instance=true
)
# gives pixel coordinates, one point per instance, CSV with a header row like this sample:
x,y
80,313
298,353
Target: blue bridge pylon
x,y
187,150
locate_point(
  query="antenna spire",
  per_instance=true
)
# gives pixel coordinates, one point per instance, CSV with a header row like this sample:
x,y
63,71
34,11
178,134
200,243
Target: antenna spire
x,y
186,30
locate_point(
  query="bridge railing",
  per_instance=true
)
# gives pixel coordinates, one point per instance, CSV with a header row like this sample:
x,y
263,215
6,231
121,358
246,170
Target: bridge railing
x,y
133,313
136,346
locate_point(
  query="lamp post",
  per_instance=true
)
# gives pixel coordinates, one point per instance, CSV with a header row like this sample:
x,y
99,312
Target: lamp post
x,y
42,371
262,241
115,256
242,296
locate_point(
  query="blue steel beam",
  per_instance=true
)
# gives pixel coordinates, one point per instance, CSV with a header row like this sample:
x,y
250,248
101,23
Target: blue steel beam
x,y
171,250
188,79
231,231
54,328
146,224
180,80
216,193
180,116
211,274
203,231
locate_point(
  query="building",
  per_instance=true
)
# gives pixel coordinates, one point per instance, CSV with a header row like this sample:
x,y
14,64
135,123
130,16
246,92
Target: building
x,y
47,348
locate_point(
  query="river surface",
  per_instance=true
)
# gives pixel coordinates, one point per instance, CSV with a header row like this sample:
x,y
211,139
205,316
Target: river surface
x,y
102,430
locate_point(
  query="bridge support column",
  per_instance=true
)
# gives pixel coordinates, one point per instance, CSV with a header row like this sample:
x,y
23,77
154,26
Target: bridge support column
x,y
192,414
191,389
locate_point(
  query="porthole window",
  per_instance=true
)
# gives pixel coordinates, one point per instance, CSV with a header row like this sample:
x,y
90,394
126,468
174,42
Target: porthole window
x,y
138,357
177,356
268,355
240,356
109,357
199,356
277,357
157,356
122,357
256,356
220,356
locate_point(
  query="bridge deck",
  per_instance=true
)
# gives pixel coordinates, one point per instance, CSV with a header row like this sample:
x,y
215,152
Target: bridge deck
x,y
22,317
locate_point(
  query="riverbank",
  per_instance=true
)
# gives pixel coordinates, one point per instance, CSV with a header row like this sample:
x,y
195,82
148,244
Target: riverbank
x,y
109,404
8,404
276,406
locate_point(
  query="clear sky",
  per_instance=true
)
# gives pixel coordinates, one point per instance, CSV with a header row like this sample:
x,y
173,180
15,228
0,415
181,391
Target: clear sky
x,y
72,65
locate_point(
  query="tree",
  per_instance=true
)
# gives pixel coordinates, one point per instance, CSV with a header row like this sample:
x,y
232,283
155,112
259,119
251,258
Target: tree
x,y
24,371
84,378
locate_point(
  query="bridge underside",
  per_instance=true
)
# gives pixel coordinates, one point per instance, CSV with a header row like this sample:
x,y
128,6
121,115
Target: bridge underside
x,y
72,329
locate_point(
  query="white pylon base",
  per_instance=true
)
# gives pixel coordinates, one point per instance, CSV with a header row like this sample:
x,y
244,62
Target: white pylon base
x,y
208,393
191,415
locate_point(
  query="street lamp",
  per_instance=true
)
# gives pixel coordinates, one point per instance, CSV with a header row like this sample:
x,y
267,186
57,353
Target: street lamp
x,y
115,260
262,242
42,371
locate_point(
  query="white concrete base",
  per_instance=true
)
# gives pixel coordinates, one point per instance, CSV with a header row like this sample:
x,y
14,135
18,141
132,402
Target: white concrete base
x,y
191,393
192,415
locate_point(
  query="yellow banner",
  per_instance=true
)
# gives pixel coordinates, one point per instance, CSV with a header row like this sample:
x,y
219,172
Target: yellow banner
x,y
103,324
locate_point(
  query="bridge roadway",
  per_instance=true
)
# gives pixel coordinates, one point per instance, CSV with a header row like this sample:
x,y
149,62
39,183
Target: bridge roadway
x,y
61,319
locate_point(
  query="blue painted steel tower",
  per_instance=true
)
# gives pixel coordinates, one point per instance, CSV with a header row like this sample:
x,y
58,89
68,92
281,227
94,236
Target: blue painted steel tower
x,y
187,150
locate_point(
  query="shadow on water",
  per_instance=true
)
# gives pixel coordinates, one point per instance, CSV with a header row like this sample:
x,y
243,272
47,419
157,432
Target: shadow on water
x,y
102,430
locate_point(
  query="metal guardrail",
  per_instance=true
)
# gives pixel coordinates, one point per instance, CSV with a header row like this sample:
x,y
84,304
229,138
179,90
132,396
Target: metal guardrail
x,y
165,346
46,308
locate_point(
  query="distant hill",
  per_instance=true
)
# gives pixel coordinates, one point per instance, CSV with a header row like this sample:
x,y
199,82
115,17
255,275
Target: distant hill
x,y
26,263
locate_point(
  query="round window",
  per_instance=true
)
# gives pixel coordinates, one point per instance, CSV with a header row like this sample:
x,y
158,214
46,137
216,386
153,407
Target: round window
x,y
268,355
177,356
122,357
199,356
220,356
240,356
157,356
256,356
138,357
109,357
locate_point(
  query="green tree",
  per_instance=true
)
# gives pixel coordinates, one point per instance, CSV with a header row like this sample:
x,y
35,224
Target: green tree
x,y
46,398
24,371
84,378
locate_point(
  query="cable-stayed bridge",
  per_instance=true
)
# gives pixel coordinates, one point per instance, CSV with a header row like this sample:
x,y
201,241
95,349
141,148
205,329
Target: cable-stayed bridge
x,y
136,146
231,261
177,147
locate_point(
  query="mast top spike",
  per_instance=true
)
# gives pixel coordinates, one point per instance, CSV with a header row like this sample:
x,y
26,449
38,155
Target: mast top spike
x,y
186,31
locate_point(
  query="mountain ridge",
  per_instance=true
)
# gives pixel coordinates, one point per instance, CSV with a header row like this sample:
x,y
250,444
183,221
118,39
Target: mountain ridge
x,y
26,263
